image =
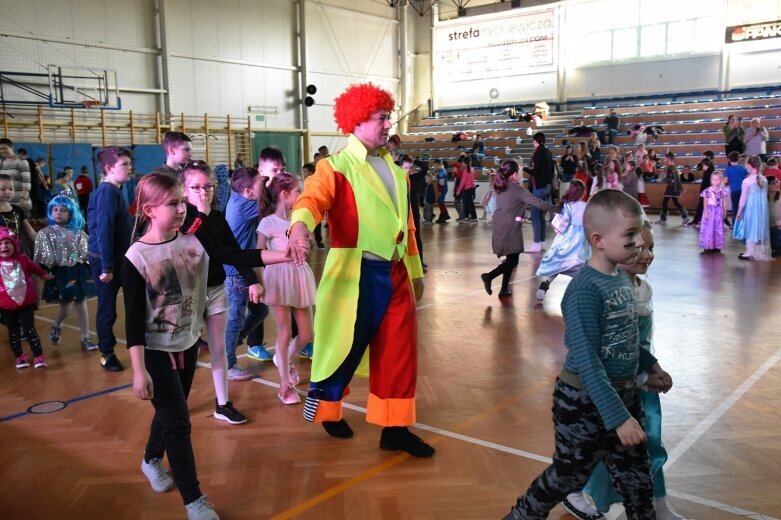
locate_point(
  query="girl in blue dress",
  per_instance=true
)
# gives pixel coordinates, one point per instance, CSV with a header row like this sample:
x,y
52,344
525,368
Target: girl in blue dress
x,y
752,224
569,250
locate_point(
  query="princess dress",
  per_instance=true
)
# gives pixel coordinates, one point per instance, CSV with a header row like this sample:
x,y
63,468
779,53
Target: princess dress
x,y
569,250
712,228
754,225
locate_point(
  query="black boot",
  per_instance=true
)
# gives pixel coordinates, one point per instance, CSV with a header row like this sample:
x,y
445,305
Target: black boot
x,y
395,438
486,278
339,429
505,292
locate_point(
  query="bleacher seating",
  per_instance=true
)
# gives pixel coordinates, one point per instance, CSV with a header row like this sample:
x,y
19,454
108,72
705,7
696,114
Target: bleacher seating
x,y
691,127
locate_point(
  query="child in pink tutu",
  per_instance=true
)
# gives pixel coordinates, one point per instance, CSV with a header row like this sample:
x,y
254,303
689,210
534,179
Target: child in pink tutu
x,y
290,287
714,209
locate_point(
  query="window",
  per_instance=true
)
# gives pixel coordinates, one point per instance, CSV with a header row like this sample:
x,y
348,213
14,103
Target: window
x,y
617,30
625,43
653,40
599,47
680,37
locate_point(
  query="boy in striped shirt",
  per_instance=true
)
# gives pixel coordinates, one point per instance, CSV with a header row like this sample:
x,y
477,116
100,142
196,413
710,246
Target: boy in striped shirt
x,y
596,405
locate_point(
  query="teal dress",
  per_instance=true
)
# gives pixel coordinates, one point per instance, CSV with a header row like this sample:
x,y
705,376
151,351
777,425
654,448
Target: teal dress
x,y
600,485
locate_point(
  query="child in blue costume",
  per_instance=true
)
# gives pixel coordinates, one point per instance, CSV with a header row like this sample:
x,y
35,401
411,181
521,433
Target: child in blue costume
x,y
599,485
569,250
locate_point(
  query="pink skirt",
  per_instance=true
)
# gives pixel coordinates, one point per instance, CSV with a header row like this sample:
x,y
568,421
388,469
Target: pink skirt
x,y
290,285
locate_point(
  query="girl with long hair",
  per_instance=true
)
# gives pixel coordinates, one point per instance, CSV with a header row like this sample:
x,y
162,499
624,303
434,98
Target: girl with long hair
x,y
290,287
511,201
752,224
164,285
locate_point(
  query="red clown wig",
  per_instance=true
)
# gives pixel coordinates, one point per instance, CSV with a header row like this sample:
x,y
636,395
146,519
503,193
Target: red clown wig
x,y
356,104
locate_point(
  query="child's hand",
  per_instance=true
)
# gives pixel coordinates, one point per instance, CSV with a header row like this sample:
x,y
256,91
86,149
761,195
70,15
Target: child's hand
x,y
659,382
203,203
48,276
630,433
142,385
256,293
106,277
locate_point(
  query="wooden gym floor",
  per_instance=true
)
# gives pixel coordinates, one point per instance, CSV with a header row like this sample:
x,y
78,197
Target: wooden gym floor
x,y
484,395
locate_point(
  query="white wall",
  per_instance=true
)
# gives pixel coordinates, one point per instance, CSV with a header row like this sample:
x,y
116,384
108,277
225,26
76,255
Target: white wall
x,y
659,76
222,57
105,34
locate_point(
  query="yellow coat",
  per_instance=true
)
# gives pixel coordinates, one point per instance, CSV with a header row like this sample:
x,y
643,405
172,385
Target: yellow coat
x,y
361,218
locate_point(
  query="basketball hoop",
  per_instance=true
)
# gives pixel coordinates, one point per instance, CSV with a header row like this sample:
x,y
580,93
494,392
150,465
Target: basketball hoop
x,y
90,103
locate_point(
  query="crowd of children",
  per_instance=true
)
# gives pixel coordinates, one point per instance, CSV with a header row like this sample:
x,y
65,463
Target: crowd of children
x,y
185,267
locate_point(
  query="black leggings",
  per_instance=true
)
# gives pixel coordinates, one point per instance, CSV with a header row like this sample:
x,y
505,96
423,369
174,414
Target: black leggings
x,y
506,269
170,429
682,212
18,321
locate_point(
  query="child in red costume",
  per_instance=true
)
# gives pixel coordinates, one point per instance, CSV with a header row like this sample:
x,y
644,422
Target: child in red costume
x,y
18,297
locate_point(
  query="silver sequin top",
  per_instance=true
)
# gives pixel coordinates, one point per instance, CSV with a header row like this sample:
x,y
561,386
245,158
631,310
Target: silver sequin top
x,y
59,246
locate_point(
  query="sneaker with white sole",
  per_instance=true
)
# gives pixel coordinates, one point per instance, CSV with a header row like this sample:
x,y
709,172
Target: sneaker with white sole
x,y
258,353
307,352
580,507
228,413
158,477
201,509
88,345
23,361
292,374
55,335
289,395
40,362
536,247
236,373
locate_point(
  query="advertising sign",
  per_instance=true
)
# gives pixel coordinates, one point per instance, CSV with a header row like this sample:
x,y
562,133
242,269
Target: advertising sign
x,y
496,45
753,32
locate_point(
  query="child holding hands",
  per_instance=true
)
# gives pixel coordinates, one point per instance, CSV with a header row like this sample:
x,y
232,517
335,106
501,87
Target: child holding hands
x,y
597,413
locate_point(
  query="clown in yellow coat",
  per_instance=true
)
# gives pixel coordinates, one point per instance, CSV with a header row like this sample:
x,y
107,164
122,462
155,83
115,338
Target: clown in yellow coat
x,y
372,276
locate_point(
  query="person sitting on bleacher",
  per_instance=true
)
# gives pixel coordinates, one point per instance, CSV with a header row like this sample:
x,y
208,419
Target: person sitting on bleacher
x,y
613,123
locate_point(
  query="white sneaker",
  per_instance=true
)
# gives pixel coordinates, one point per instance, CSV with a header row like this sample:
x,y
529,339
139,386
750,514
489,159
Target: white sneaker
x,y
158,477
580,507
236,373
536,247
664,511
201,510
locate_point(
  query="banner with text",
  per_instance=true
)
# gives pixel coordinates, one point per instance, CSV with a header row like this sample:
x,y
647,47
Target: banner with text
x,y
753,32
496,45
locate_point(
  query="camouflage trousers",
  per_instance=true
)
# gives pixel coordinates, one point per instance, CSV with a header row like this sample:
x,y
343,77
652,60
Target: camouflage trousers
x,y
582,442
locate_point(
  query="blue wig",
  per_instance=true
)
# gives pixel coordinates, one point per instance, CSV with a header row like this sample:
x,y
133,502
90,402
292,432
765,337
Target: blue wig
x,y
76,223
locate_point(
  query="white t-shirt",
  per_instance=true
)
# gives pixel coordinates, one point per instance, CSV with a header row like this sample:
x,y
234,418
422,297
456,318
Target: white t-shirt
x,y
275,231
386,176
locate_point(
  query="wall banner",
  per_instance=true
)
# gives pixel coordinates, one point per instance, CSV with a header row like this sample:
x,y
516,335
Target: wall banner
x,y
511,43
753,32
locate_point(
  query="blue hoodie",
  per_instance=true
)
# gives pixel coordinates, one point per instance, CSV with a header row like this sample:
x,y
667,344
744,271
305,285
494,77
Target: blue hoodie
x,y
242,215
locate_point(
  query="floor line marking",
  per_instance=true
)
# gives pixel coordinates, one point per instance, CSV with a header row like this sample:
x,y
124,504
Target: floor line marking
x,y
673,456
697,432
71,400
486,444
718,505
